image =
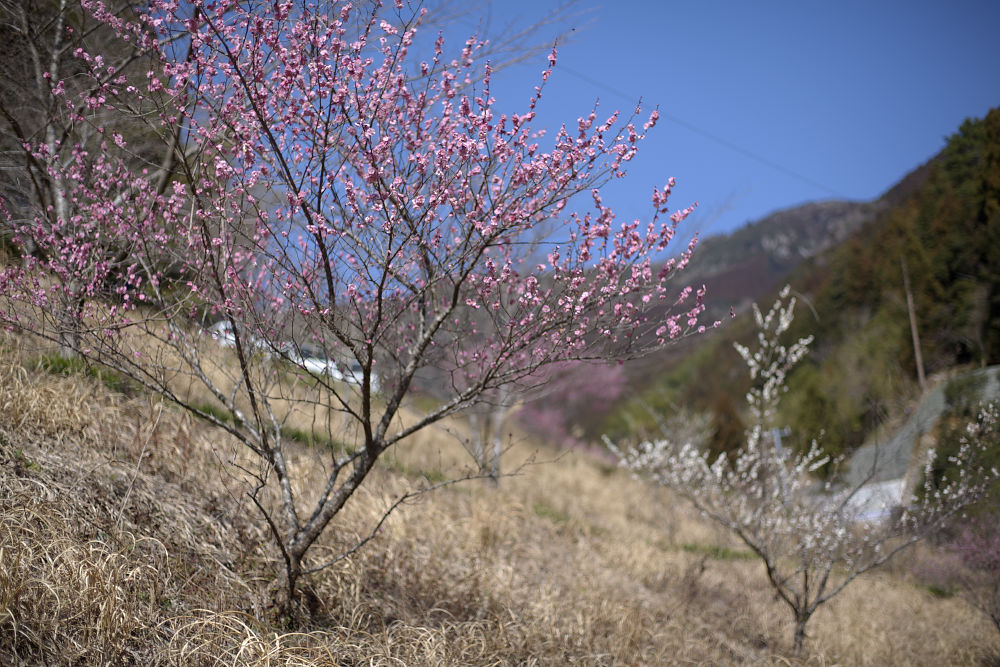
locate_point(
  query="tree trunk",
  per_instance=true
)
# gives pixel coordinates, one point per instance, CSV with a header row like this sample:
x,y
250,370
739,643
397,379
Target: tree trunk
x,y
289,592
70,315
497,450
800,635
479,430
497,418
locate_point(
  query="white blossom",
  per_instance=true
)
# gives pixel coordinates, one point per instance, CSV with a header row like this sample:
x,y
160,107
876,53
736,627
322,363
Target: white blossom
x,y
806,532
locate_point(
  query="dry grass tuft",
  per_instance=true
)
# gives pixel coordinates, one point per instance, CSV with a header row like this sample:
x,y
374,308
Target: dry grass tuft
x,y
211,638
65,599
44,404
125,539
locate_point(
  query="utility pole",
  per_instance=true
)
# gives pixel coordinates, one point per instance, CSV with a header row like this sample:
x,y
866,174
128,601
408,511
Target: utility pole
x,y
921,378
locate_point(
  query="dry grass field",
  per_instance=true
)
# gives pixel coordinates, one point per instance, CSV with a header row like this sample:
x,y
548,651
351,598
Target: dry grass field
x,y
126,538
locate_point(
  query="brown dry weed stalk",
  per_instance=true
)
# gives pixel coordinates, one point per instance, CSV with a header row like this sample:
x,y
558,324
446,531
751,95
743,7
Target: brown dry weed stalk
x,y
64,599
43,405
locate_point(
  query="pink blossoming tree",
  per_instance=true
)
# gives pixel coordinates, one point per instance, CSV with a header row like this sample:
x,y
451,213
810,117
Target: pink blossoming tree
x,y
333,191
53,127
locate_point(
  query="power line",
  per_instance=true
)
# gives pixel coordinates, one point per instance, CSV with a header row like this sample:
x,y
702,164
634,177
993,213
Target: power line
x,y
708,135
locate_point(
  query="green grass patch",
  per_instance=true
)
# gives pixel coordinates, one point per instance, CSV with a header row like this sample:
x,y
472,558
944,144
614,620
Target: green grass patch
x,y
311,439
423,403
57,364
941,591
24,461
433,476
219,412
546,511
717,552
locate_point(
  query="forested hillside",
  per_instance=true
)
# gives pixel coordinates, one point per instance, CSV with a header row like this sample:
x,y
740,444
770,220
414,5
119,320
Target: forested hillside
x,y
941,228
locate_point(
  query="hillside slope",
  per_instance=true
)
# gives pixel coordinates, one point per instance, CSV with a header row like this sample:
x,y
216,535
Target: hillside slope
x,y
743,266
125,538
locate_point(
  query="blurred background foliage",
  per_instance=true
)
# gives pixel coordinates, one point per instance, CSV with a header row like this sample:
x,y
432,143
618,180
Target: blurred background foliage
x,y
943,222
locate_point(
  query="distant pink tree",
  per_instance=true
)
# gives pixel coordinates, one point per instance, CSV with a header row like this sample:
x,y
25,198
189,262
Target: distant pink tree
x,y
336,190
552,403
576,395
978,548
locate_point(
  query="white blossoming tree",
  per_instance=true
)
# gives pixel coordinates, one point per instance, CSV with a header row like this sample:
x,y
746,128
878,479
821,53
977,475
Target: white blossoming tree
x,y
808,533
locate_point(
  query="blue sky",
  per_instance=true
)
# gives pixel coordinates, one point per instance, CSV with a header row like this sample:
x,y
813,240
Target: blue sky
x,y
768,104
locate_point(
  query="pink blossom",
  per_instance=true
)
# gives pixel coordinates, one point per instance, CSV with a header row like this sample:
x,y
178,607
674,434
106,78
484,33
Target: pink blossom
x,y
334,192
